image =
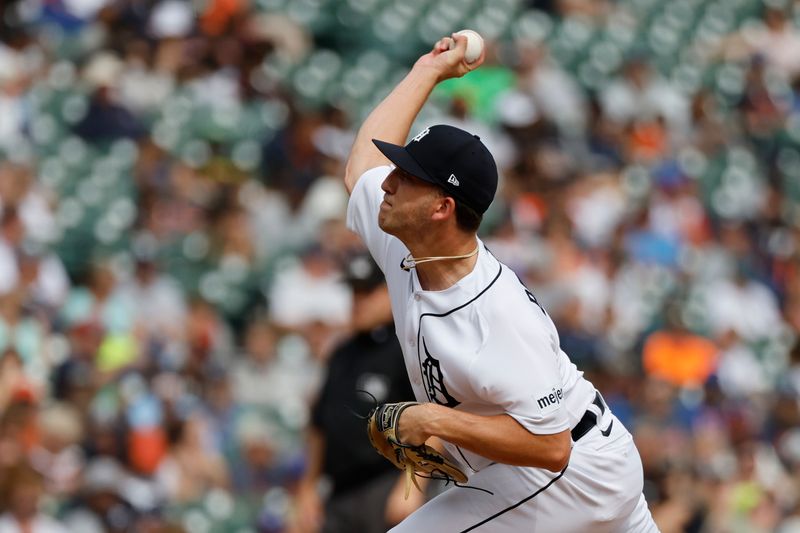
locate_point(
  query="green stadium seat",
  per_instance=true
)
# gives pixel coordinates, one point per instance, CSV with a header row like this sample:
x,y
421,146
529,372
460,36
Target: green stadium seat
x,y
532,25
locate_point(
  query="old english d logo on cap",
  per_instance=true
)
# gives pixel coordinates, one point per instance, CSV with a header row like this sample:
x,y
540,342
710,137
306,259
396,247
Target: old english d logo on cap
x,y
418,137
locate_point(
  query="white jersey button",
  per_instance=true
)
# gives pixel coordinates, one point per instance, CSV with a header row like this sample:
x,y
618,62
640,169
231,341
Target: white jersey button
x,y
416,296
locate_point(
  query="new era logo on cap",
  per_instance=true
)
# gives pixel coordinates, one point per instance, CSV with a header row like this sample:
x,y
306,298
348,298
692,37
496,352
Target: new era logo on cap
x,y
451,158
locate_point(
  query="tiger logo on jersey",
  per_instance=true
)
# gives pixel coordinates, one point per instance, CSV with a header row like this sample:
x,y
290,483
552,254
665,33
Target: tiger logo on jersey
x,y
434,380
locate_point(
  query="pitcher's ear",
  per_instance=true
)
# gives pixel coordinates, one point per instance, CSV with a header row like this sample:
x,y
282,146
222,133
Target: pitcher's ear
x,y
445,207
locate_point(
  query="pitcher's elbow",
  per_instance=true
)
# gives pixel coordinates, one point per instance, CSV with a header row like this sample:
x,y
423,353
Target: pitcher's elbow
x,y
349,178
559,459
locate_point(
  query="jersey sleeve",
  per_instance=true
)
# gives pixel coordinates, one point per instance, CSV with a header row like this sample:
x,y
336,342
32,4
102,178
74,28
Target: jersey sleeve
x,y
362,213
518,370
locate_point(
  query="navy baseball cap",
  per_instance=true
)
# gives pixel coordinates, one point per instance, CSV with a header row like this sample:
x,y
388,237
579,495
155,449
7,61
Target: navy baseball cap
x,y
451,158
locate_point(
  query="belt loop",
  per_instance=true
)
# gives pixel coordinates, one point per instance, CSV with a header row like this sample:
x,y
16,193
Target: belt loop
x,y
599,401
590,419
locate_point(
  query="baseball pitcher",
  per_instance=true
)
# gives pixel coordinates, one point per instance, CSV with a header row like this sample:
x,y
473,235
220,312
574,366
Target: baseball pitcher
x,y
533,439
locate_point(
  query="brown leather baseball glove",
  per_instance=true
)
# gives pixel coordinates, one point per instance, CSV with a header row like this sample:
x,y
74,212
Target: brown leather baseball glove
x,y
414,460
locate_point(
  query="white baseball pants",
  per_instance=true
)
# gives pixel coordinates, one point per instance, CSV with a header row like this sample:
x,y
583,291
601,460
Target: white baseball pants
x,y
600,491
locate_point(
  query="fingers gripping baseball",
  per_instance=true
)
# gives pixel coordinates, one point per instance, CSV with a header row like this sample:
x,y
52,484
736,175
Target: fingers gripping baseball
x,y
443,45
448,57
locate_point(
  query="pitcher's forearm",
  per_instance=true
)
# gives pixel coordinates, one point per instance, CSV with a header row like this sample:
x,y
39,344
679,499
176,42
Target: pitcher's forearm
x,y
499,437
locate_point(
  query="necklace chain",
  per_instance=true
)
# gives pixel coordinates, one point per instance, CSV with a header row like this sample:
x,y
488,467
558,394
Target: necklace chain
x,y
410,261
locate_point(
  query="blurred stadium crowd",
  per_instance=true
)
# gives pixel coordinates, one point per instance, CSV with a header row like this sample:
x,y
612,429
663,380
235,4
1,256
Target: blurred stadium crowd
x,y
171,238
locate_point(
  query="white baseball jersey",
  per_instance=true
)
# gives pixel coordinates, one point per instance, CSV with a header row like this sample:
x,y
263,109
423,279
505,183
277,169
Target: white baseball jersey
x,y
483,345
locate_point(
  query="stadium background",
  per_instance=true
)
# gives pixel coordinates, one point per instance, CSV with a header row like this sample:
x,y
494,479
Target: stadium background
x,y
172,235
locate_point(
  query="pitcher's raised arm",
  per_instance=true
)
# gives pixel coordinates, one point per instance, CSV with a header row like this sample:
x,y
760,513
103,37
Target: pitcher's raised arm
x,y
391,120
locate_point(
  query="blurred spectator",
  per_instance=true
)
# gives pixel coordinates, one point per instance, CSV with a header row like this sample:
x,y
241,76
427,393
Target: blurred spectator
x,y
560,99
14,381
44,281
675,209
100,506
14,83
744,305
95,302
584,347
499,143
763,113
75,380
105,118
264,462
11,234
596,206
294,161
191,469
309,290
604,138
24,335
17,431
781,34
740,373
640,94
235,240
143,89
208,337
775,38
22,491
677,356
709,132
647,140
274,379
155,300
57,456
255,376
19,190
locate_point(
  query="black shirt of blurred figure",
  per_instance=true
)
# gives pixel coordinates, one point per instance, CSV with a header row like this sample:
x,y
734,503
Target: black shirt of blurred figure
x,y
106,120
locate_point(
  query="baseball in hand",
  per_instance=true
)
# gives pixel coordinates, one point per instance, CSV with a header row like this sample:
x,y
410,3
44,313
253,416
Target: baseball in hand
x,y
474,45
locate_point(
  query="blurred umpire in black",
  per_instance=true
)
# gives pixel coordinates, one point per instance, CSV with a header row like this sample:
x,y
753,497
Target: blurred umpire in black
x,y
365,491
